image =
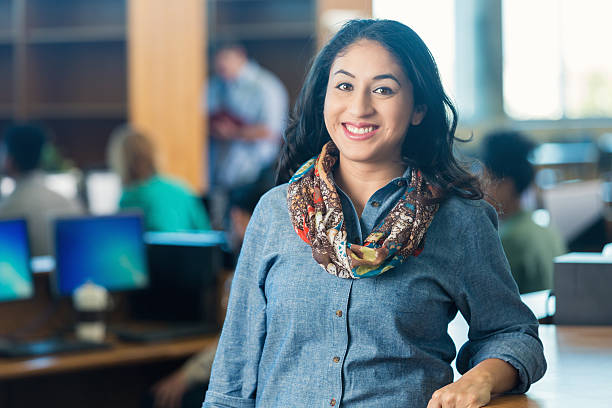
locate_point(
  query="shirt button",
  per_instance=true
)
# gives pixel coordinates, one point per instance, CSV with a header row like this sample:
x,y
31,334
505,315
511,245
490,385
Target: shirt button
x,y
401,183
375,204
339,313
332,402
336,359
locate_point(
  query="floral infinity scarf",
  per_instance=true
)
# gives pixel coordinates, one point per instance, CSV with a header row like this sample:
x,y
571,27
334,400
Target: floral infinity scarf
x,y
316,215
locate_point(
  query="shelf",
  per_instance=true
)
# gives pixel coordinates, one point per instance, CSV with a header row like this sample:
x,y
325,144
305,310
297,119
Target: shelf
x,y
259,31
77,35
6,111
45,14
80,110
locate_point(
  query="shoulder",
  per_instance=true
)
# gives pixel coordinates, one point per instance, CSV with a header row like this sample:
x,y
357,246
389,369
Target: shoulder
x,y
274,201
462,213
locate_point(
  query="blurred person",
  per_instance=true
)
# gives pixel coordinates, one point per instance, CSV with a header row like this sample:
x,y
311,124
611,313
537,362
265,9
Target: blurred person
x,y
23,145
247,107
529,247
167,204
186,386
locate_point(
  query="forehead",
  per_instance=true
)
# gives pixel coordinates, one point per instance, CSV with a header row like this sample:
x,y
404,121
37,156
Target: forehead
x,y
367,58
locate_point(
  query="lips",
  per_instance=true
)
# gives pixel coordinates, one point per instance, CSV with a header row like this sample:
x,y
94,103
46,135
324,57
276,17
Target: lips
x,y
359,131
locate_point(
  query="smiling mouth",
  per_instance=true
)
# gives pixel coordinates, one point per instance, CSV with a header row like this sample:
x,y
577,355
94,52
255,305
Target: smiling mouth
x,y
359,132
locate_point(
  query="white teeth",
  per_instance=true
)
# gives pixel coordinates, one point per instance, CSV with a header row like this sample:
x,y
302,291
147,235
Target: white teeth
x,y
358,130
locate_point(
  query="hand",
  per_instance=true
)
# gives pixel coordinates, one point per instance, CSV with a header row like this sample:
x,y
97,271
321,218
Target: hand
x,y
169,391
225,129
467,392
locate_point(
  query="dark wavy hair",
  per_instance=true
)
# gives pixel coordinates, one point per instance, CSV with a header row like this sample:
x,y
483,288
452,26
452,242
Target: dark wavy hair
x,y
428,146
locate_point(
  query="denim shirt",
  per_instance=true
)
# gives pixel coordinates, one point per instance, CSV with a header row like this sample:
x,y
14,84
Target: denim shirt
x,y
297,336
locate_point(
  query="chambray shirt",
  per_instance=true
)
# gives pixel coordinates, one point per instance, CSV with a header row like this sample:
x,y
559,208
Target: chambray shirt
x,y
297,336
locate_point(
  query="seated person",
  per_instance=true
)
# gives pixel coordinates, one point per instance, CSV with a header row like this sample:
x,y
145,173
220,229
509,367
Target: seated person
x,y
31,199
167,205
529,247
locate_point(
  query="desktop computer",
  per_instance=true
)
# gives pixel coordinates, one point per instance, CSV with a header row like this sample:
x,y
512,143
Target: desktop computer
x,y
16,282
105,250
582,283
102,192
183,286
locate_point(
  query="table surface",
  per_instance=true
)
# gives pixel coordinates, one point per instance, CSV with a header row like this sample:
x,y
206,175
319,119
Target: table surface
x,y
579,362
579,370
119,354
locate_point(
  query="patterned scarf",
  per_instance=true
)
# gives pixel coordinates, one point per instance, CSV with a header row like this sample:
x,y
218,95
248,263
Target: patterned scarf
x,y
316,215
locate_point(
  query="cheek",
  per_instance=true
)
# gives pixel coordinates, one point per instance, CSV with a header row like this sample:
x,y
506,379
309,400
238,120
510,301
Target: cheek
x,y
328,113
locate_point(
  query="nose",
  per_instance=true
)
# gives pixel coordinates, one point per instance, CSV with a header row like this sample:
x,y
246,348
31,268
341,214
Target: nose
x,y
361,104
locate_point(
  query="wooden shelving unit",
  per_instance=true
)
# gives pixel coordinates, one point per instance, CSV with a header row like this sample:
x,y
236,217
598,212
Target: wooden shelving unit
x,y
63,64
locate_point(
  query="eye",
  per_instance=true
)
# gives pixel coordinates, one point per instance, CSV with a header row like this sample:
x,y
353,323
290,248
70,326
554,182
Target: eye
x,y
344,86
383,90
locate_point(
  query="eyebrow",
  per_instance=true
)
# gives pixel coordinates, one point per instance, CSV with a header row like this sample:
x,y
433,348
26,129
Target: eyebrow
x,y
377,77
341,71
388,76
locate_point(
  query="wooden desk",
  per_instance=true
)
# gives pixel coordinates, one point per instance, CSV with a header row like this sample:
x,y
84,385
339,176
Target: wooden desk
x,y
120,354
579,370
118,377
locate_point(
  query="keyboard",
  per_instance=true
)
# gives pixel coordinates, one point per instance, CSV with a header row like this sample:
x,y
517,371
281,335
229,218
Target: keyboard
x,y
47,346
156,333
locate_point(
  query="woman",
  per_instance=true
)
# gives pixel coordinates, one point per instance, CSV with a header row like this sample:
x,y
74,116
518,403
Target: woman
x,y
167,205
351,272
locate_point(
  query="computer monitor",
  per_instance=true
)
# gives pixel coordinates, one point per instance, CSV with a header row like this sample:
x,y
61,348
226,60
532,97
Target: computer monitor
x,y
65,184
184,267
16,280
106,250
102,192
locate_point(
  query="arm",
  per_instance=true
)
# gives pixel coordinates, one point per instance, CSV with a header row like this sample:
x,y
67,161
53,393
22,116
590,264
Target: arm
x,y
503,353
233,382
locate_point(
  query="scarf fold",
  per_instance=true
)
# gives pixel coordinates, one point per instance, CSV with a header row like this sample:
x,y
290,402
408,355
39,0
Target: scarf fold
x,y
316,214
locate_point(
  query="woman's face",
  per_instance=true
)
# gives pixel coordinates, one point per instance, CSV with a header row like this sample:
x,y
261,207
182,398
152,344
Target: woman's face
x,y
369,105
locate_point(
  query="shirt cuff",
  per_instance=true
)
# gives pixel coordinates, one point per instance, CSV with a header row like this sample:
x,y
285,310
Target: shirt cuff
x,y
216,400
522,352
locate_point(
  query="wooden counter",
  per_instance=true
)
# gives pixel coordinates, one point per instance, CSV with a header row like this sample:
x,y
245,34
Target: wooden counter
x,y
120,354
579,370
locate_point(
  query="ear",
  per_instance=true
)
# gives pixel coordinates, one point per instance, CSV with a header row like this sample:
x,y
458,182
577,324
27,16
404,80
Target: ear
x,y
418,114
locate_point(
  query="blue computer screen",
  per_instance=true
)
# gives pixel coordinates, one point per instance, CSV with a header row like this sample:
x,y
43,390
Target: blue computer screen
x,y
15,275
106,250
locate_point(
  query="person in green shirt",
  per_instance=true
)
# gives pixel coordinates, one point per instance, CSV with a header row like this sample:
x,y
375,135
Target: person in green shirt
x,y
529,247
168,205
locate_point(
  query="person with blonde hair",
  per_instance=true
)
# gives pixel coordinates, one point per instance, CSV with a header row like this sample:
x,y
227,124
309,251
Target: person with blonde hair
x,y
167,204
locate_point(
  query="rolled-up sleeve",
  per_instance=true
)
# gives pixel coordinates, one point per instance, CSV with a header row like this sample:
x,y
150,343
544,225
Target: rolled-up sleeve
x,y
501,325
233,380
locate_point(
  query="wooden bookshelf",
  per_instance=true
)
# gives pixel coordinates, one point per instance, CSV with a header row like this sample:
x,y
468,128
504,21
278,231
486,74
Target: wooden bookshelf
x,y
63,64
6,80
66,35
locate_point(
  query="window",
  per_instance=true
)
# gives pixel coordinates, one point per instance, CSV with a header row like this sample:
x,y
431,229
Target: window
x,y
557,60
434,22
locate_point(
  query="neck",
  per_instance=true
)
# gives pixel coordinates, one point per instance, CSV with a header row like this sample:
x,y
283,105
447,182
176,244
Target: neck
x,y
361,181
510,207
